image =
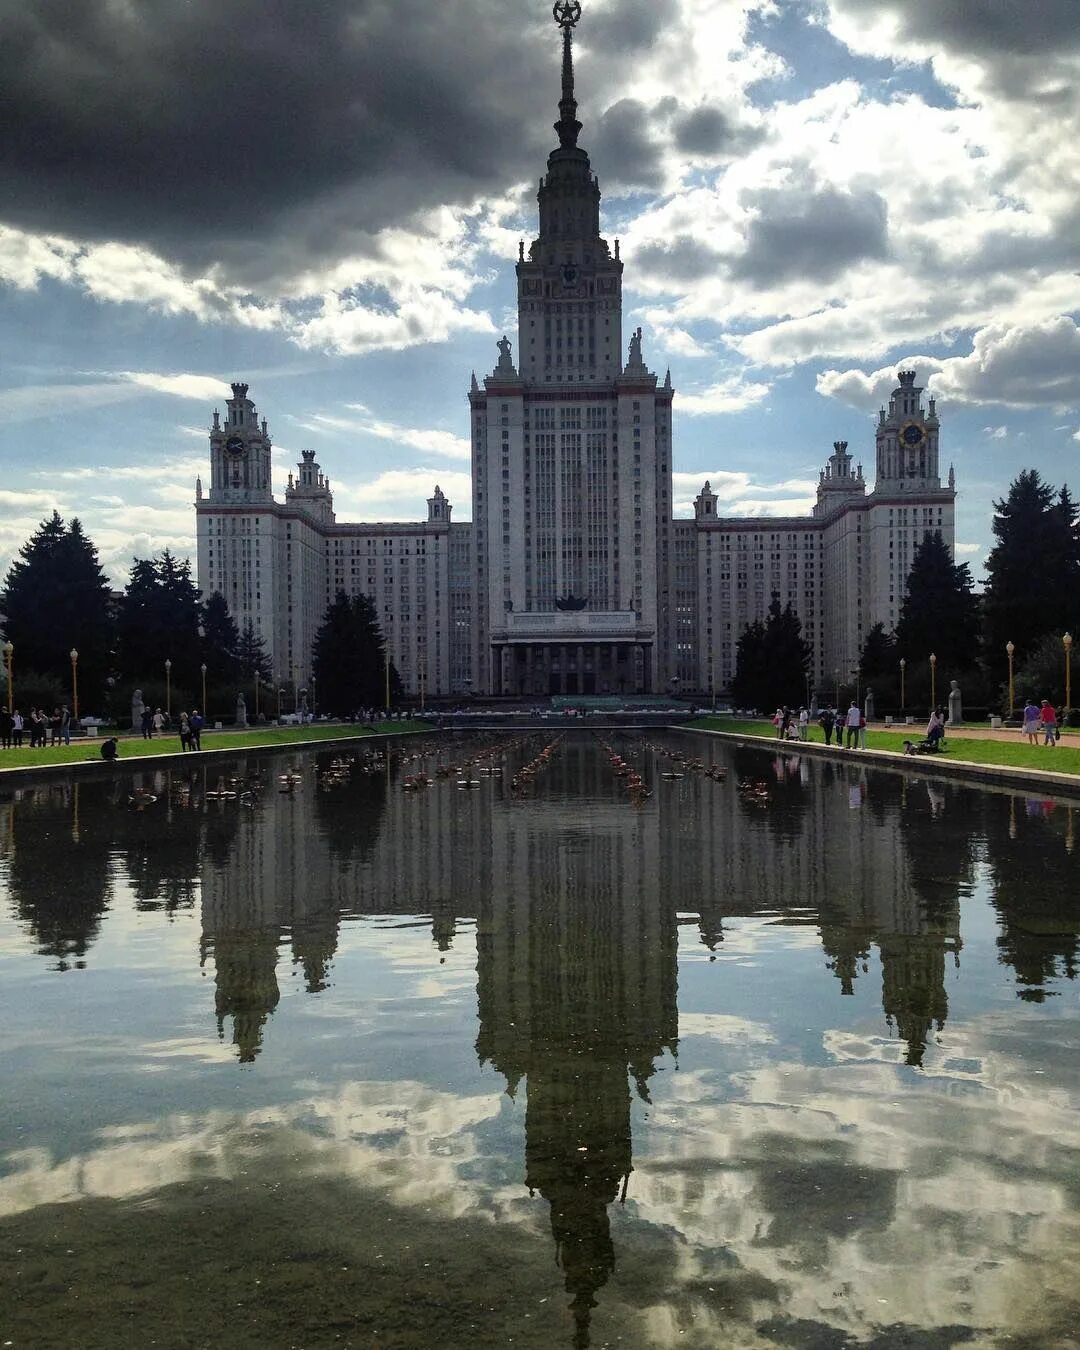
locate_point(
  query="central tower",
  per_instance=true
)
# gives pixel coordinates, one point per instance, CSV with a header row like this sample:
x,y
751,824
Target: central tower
x,y
570,285
571,461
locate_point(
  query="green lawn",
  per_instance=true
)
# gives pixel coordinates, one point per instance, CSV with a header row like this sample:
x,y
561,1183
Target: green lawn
x,y
90,748
1064,758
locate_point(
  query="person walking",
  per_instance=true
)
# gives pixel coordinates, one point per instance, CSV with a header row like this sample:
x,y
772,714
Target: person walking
x,y
147,723
1049,722
5,729
65,724
185,732
827,721
195,726
17,729
852,723
158,722
1030,727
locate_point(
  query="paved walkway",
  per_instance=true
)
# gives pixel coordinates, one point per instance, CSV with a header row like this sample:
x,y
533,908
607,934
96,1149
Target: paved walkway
x,y
972,733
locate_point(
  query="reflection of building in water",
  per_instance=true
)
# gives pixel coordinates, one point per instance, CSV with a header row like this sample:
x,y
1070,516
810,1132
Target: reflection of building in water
x,y
800,840
576,985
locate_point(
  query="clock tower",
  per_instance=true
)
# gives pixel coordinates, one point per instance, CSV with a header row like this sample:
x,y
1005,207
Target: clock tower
x,y
239,453
907,441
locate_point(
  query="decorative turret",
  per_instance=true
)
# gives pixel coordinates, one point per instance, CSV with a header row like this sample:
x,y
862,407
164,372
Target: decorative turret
x,y
438,508
838,482
310,491
705,503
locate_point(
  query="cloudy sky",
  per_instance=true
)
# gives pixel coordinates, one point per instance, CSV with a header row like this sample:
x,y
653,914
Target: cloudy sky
x,y
324,198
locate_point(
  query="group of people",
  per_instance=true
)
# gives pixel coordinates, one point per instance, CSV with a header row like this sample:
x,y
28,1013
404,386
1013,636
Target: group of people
x,y
1040,720
40,727
189,725
791,725
853,722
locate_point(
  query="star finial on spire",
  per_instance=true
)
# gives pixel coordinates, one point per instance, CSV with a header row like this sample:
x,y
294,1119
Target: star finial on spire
x,y
566,13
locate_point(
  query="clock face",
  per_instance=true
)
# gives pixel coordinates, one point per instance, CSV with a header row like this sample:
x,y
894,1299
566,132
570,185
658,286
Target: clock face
x,y
234,447
911,435
569,275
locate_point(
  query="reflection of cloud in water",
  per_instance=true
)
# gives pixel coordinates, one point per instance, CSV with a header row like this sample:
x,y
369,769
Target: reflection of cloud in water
x,y
403,1138
869,1195
724,1027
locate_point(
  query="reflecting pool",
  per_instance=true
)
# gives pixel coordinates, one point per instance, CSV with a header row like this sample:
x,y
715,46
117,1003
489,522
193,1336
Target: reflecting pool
x,y
587,1041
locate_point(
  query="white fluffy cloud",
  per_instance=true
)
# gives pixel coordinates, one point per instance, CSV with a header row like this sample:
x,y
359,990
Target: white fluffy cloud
x,y
1020,366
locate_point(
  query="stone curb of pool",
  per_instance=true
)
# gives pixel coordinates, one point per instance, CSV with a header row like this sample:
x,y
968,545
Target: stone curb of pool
x,y
1006,775
212,752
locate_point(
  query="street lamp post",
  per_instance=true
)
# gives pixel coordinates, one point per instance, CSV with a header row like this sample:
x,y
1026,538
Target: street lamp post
x,y
933,681
9,659
903,687
1066,642
168,687
202,668
423,678
712,685
74,684
314,699
1009,651
279,694
387,650
257,695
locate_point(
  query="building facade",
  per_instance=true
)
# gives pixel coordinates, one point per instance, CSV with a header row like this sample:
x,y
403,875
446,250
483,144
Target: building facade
x,y
573,576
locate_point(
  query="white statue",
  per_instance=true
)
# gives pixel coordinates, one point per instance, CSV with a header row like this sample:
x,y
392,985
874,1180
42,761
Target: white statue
x,y
138,707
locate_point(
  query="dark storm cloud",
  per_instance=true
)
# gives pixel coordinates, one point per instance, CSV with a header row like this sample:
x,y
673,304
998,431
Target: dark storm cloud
x,y
214,131
979,27
816,234
1025,48
625,147
680,260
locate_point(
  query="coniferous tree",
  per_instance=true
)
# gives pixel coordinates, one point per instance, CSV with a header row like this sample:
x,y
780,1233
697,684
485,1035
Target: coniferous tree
x,y
220,640
252,656
349,657
1027,566
772,661
159,620
879,657
940,611
55,599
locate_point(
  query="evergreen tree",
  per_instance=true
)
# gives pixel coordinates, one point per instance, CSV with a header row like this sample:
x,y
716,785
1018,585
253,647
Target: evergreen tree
x,y
1033,568
159,621
56,598
220,641
252,656
772,661
940,611
349,657
879,656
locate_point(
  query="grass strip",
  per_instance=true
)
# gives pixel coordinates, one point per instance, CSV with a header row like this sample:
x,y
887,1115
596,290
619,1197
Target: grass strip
x,y
89,748
1061,758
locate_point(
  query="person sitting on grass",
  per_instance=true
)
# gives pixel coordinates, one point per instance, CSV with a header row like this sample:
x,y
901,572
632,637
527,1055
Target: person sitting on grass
x,y
110,749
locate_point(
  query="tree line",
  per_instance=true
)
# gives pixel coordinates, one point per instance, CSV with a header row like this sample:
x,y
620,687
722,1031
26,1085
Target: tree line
x,y
1031,599
56,600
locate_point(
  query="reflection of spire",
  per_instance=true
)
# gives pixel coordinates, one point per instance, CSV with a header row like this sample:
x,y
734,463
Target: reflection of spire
x,y
913,987
578,1156
576,986
246,985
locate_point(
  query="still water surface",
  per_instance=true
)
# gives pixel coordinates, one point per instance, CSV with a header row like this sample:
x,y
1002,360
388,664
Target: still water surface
x,y
787,1054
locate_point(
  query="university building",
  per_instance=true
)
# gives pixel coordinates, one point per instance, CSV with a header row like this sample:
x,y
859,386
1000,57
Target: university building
x,y
573,576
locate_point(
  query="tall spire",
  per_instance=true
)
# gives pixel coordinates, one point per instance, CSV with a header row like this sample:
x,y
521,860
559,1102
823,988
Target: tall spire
x,y
566,14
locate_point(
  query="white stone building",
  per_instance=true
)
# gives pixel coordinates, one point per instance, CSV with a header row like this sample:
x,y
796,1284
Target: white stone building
x,y
573,577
